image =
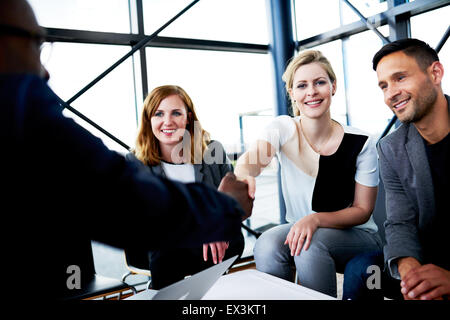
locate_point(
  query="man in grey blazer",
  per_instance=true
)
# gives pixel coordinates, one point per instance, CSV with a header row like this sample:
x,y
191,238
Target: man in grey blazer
x,y
414,167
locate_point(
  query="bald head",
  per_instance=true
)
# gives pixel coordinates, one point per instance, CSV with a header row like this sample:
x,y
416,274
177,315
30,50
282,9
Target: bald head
x,y
19,30
17,13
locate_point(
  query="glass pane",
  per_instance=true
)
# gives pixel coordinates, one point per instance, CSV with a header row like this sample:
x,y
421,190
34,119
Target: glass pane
x,y
309,22
98,15
333,52
367,8
430,27
111,102
308,25
230,20
221,84
367,110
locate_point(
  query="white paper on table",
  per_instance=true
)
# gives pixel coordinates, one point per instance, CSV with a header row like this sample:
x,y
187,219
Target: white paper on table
x,y
256,285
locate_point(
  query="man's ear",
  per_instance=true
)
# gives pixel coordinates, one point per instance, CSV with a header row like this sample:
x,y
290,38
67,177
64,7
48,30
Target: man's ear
x,y
436,71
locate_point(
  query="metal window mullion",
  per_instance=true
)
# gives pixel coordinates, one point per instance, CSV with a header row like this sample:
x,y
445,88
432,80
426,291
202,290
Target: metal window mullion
x,y
142,52
344,44
282,48
96,37
407,9
399,25
367,22
443,40
133,15
92,123
399,28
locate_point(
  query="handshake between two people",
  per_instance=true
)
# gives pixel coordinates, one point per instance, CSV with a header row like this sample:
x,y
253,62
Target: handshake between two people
x,y
243,191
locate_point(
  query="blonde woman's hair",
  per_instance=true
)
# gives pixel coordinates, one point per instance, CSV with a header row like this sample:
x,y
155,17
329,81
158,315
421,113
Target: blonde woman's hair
x,y
147,148
304,58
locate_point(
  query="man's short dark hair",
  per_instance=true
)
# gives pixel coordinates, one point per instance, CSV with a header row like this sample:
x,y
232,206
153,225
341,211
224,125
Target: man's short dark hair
x,y
419,50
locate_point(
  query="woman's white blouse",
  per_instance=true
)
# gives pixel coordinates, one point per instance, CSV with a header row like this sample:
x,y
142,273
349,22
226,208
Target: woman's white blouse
x,y
312,182
179,172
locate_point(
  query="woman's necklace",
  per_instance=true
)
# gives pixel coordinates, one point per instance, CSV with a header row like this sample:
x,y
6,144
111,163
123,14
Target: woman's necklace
x,y
323,144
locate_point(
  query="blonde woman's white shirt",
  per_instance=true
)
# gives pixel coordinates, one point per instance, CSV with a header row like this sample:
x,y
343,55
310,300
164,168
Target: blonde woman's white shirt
x,y
312,182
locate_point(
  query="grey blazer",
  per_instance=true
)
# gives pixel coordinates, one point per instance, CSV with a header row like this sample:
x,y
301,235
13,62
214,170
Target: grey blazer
x,y
410,202
213,168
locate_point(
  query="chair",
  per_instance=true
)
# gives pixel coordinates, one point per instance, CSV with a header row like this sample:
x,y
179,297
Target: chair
x,y
101,287
94,285
379,212
247,261
137,263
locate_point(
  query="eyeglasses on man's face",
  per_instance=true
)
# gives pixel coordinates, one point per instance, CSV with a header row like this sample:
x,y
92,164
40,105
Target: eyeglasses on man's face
x,y
37,37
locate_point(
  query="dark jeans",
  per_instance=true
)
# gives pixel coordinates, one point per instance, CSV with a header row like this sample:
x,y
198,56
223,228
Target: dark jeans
x,y
171,265
356,274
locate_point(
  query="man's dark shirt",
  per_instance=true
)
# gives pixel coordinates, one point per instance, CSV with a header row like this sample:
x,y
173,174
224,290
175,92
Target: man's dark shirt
x,y
439,159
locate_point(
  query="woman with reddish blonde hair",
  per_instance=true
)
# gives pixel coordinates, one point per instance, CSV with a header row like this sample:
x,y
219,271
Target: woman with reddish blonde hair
x,y
172,143
148,146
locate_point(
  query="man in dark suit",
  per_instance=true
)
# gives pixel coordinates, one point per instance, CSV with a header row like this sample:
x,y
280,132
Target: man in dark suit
x,y
414,167
62,188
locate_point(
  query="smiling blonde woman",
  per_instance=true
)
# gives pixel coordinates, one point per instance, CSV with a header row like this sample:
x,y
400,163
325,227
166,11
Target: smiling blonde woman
x,y
329,176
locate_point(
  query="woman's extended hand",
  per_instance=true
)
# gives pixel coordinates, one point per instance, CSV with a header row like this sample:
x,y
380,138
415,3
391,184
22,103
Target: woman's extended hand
x,y
302,230
238,189
251,182
217,250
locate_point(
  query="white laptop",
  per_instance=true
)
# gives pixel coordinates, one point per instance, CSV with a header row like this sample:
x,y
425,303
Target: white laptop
x,y
192,288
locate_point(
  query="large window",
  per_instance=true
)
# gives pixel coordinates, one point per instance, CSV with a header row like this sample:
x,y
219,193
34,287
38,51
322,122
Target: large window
x,y
111,103
98,15
221,84
366,7
333,52
230,20
357,101
366,106
430,27
312,18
